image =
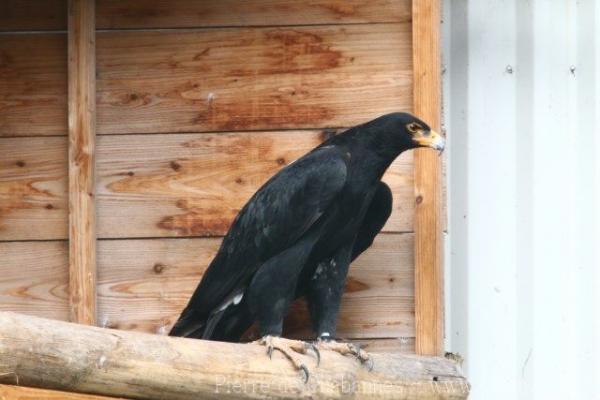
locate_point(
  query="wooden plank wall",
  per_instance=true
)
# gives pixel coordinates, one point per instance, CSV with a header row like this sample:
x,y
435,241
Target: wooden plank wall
x,y
190,121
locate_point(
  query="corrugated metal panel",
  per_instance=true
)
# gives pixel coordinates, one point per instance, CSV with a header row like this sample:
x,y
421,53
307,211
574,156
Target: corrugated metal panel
x,y
522,112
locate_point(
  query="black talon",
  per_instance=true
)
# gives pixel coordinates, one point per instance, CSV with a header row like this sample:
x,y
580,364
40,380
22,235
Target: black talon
x,y
354,350
371,364
316,350
306,373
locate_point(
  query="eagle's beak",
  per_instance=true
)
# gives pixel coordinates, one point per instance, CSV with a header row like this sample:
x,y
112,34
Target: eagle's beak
x,y
430,139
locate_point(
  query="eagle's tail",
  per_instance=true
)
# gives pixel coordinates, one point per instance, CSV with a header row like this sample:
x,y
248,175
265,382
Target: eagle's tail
x,y
226,325
190,324
193,325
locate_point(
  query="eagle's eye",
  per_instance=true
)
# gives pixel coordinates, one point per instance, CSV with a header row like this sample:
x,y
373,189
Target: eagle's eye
x,y
413,127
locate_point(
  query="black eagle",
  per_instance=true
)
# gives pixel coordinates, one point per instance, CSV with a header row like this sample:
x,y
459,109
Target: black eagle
x,y
299,233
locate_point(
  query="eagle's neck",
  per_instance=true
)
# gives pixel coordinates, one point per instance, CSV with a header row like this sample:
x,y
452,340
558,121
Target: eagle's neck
x,y
370,151
370,163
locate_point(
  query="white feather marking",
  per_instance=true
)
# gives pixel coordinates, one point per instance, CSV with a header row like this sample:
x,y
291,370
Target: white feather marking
x,y
318,271
224,306
237,299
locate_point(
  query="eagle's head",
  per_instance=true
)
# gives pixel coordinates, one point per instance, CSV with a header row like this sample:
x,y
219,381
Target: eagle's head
x,y
416,133
397,132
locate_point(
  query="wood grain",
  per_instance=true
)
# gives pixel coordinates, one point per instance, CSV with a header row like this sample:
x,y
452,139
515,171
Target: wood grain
x,y
33,188
161,185
194,185
252,79
16,15
10,392
33,84
35,278
403,345
429,313
305,77
186,14
144,284
33,15
132,364
82,139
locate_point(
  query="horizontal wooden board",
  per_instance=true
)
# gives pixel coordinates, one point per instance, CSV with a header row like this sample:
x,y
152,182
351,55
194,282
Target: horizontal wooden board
x,y
248,79
160,185
34,278
33,15
194,185
17,15
184,13
33,188
33,84
212,80
404,345
144,284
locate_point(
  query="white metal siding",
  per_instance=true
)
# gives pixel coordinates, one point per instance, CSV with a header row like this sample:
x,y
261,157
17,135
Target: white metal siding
x,y
522,114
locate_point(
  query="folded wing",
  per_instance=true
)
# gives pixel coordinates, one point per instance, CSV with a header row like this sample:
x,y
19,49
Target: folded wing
x,y
277,216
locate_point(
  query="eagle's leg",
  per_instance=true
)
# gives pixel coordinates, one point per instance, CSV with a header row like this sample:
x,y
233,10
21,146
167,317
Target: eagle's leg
x,y
269,296
324,296
327,285
291,350
344,348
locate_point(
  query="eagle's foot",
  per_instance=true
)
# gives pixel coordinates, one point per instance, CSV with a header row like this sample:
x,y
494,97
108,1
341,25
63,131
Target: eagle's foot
x,y
290,349
347,349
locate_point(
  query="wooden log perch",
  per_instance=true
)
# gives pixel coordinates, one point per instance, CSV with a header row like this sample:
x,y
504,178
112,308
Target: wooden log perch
x,y
51,354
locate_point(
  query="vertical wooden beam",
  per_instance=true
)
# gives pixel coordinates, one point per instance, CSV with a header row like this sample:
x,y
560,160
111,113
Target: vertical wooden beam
x,y
428,227
82,115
